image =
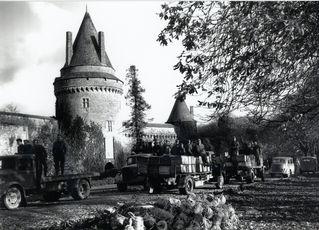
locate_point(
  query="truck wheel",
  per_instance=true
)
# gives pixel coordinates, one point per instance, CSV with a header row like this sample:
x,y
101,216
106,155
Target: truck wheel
x,y
121,187
188,187
220,182
80,189
12,198
51,196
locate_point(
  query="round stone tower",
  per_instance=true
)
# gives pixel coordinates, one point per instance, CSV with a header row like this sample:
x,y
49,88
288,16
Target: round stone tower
x,y
88,86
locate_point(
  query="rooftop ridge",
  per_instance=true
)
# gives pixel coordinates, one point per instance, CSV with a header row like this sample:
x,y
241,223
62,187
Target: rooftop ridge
x,y
26,115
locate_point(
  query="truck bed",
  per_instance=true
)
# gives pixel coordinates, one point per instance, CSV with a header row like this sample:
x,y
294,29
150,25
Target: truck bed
x,y
69,177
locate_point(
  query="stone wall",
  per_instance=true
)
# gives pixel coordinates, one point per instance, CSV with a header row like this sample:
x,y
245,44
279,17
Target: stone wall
x,y
18,125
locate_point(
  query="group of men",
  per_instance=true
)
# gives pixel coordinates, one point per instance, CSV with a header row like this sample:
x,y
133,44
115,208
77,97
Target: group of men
x,y
58,151
188,148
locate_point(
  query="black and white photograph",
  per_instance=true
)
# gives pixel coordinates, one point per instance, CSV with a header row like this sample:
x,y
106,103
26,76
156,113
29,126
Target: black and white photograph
x,y
159,115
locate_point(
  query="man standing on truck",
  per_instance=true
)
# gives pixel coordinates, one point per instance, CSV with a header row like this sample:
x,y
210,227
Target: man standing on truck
x,y
189,148
20,146
177,148
59,152
27,147
40,160
199,150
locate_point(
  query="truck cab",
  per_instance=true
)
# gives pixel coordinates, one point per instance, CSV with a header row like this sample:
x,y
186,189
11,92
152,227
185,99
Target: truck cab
x,y
135,172
17,178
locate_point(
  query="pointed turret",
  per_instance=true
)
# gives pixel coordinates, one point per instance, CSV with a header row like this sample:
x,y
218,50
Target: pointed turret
x,y
180,112
184,124
88,47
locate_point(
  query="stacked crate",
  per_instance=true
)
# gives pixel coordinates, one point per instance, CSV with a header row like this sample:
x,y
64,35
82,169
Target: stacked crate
x,y
184,164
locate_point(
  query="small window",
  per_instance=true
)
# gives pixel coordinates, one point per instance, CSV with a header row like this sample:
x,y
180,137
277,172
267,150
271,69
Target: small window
x,y
109,126
85,103
7,164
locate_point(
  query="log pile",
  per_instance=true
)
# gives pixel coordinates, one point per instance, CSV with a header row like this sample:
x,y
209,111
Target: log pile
x,y
195,212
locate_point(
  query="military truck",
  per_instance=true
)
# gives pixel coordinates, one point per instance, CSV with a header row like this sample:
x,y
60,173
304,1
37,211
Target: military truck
x,y
182,172
18,182
245,167
134,173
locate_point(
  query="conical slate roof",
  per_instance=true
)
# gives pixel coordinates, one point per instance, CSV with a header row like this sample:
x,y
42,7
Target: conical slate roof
x,y
180,112
86,48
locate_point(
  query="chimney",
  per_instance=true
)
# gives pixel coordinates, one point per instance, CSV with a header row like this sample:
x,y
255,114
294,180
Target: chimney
x,y
191,110
102,47
69,48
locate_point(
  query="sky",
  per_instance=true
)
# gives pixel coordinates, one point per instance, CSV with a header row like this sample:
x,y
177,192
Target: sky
x,y
32,51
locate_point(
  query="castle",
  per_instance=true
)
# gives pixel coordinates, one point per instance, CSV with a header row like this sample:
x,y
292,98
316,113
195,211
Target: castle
x,y
87,87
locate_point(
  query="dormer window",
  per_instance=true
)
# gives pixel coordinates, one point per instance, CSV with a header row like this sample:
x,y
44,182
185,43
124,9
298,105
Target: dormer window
x,y
85,103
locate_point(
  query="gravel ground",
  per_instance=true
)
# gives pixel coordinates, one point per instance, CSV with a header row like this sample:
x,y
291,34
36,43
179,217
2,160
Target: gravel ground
x,y
276,204
291,203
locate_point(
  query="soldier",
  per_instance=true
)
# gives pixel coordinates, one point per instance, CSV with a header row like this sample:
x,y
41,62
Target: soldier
x,y
20,146
189,148
40,160
234,147
199,150
233,152
166,149
156,148
178,148
59,152
256,150
27,147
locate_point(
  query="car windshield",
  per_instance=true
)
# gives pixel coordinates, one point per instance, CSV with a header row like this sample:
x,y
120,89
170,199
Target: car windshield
x,y
7,164
278,160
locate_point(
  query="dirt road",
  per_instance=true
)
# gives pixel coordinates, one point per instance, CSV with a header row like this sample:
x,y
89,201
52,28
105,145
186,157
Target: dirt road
x,y
276,204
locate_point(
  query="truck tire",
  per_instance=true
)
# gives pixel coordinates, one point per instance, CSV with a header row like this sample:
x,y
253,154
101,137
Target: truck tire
x,y
188,186
80,189
12,198
51,196
121,187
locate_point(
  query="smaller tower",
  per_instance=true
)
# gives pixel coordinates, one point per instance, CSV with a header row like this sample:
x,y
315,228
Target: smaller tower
x,y
184,124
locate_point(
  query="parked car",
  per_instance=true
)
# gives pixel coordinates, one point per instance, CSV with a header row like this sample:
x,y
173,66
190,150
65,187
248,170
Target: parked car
x,y
308,164
282,166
